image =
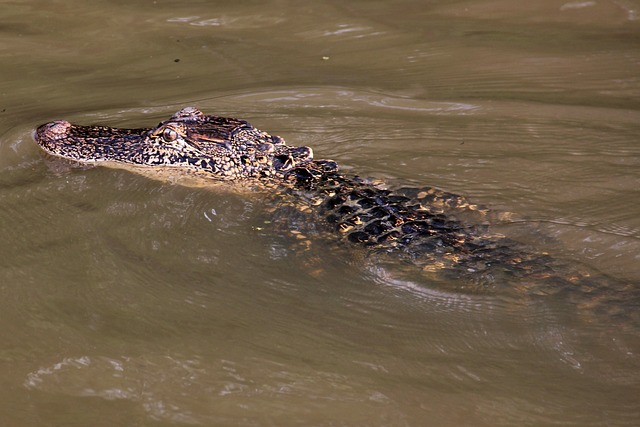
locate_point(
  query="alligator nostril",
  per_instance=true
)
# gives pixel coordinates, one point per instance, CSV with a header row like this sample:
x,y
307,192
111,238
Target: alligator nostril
x,y
55,129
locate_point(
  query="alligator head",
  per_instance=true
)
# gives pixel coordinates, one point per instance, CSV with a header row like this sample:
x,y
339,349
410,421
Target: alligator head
x,y
219,147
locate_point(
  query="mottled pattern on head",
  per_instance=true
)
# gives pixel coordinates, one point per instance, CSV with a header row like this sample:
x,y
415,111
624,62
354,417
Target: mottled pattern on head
x,y
226,148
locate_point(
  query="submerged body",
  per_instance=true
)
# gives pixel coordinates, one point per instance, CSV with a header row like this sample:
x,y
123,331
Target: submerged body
x,y
422,226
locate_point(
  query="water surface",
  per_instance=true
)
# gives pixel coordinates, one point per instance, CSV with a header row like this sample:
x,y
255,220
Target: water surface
x,y
132,301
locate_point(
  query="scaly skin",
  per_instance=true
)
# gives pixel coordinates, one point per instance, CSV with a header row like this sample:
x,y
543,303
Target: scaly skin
x,y
231,149
416,225
207,145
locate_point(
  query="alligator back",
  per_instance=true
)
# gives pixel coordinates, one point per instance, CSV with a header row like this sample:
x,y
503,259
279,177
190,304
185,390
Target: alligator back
x,y
445,238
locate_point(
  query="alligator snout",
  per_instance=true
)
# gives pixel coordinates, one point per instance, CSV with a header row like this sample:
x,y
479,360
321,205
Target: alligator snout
x,y
52,130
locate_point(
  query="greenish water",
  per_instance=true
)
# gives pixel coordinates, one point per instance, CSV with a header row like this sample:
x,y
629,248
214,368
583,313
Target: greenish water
x,y
134,302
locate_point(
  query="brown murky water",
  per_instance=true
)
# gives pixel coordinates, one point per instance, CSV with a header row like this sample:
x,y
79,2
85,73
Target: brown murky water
x,y
128,301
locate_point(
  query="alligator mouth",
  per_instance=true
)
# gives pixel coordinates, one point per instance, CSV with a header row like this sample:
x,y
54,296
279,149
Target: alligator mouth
x,y
81,143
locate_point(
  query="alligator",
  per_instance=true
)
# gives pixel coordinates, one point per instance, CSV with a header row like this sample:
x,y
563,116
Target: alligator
x,y
425,227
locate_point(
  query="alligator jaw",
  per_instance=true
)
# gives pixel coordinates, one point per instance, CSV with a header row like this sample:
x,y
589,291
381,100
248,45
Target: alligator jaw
x,y
218,147
88,144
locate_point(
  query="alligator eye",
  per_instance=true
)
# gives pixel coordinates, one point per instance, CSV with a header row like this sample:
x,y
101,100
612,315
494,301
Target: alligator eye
x,y
169,135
